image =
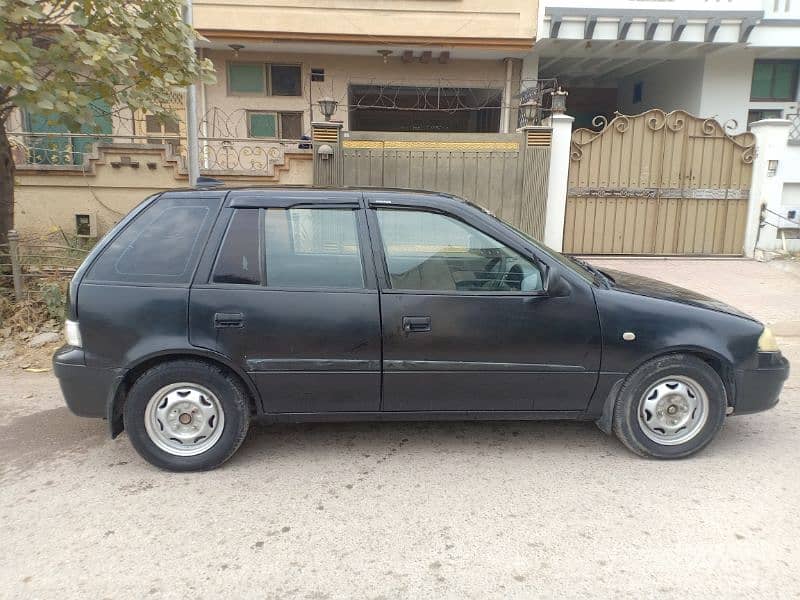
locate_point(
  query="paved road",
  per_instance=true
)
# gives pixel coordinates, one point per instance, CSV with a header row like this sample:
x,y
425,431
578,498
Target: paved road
x,y
476,510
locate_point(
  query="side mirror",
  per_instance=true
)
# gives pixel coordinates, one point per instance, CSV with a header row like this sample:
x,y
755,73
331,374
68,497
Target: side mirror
x,y
556,285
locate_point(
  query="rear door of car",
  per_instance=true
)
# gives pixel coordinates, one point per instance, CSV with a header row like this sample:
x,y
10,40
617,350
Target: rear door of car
x,y
285,291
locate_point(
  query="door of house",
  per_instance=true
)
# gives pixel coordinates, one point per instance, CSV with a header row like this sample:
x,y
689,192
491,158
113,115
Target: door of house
x,y
658,183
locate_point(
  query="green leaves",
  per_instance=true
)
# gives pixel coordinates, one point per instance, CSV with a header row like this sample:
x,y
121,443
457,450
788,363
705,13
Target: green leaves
x,y
59,56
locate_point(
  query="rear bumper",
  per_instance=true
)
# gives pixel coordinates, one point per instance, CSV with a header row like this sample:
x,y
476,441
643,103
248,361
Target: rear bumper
x,y
759,389
86,389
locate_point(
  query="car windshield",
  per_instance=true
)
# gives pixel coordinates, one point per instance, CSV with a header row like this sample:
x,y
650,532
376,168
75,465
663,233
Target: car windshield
x,y
575,265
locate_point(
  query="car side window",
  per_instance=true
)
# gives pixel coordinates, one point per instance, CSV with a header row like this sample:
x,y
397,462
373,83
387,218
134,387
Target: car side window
x,y
434,252
312,247
238,260
162,245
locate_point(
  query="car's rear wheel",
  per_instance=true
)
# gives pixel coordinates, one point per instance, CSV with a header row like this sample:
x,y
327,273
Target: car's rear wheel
x,y
187,415
670,407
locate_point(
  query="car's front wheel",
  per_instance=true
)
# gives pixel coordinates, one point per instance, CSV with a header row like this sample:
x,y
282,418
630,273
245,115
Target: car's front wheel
x,y
187,415
670,407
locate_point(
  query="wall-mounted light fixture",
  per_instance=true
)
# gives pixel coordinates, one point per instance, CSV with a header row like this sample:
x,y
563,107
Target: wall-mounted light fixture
x,y
325,152
327,107
385,54
529,111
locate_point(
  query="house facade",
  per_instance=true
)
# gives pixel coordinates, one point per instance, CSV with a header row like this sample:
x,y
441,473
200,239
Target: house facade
x,y
734,60
383,64
427,68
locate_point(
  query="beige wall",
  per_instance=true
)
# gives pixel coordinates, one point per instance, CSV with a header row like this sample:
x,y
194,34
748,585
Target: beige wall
x,y
466,19
340,70
49,198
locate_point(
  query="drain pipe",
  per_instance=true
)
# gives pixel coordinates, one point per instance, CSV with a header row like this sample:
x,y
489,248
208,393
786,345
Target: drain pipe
x,y
505,111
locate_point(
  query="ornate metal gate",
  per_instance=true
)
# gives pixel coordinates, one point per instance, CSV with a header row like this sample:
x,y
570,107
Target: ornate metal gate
x,y
658,183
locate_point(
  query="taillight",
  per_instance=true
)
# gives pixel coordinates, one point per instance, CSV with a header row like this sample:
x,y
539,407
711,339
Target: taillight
x,y
73,333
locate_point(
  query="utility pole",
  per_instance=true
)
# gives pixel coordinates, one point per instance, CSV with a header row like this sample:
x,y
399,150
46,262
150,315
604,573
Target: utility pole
x,y
192,147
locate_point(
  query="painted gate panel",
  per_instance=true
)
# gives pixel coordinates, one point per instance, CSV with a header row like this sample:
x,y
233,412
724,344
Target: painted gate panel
x,y
658,183
504,173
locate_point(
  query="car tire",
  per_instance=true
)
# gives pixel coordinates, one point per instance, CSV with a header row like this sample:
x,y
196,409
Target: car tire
x,y
187,415
670,407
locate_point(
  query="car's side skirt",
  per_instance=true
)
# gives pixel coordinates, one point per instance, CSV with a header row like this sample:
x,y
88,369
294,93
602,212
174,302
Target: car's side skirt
x,y
454,415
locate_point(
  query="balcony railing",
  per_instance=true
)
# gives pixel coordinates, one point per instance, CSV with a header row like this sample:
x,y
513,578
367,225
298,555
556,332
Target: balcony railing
x,y
218,155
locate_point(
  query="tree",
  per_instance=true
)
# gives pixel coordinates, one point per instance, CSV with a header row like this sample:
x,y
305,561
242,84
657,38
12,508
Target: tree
x,y
61,57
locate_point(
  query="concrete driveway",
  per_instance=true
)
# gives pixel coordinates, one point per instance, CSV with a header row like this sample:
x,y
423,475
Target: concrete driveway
x,y
456,510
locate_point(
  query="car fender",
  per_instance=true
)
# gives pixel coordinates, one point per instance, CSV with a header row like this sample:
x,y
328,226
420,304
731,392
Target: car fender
x,y
121,385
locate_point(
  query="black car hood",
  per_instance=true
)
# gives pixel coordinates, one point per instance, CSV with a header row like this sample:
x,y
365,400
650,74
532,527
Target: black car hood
x,y
644,286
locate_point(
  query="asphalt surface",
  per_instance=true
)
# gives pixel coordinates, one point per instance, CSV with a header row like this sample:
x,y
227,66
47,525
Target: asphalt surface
x,y
432,510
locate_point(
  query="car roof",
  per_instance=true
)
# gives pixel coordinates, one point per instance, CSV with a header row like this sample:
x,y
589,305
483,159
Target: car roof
x,y
291,194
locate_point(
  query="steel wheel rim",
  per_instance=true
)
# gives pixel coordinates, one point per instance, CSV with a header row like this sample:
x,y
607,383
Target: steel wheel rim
x,y
673,410
184,419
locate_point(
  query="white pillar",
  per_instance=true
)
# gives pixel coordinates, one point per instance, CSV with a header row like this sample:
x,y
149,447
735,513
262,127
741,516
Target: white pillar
x,y
192,149
766,187
505,109
557,181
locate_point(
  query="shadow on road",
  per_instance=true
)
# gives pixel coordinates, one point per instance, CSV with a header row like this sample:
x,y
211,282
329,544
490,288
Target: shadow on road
x,y
56,434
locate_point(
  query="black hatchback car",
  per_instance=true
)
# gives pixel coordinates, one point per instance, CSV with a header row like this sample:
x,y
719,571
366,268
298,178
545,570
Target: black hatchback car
x,y
205,309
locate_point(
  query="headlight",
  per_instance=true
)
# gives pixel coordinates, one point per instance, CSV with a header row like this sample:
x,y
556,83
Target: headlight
x,y
767,342
73,333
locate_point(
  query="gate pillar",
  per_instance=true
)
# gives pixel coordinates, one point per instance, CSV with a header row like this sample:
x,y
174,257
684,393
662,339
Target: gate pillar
x,y
766,189
558,181
327,145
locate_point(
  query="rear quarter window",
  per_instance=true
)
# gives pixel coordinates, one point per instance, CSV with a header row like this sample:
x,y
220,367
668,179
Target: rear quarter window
x,y
162,245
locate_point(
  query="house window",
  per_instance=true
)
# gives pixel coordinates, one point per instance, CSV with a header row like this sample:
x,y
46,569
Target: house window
x,y
758,115
774,80
285,80
291,125
246,78
438,109
168,128
638,92
267,124
261,79
317,74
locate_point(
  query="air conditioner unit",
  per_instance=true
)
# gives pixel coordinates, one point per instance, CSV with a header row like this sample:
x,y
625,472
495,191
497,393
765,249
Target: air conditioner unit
x,y
86,225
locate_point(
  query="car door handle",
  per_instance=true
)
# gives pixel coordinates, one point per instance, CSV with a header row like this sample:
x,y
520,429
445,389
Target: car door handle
x,y
228,320
416,324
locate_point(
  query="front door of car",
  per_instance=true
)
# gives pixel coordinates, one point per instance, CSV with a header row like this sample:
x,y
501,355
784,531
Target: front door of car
x,y
467,324
289,297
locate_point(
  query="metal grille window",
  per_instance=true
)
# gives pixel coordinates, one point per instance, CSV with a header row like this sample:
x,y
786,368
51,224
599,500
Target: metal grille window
x,y
262,79
774,80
